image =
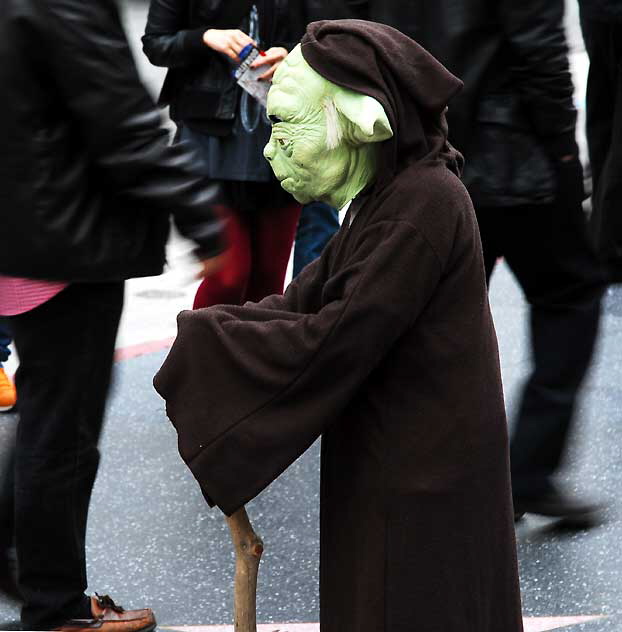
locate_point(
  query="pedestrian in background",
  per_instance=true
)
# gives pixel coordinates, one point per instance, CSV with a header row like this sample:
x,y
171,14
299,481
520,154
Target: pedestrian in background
x,y
601,22
199,43
515,124
87,182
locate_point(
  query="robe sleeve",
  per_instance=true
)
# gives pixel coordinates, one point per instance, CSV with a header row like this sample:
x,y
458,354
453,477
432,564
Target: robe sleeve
x,y
250,388
304,293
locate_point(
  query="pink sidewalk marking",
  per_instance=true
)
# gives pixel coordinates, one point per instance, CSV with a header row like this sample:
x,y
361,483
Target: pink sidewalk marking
x,y
265,627
541,624
532,624
133,351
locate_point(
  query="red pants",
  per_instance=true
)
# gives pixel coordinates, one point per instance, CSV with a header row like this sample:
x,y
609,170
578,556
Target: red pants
x,y
260,244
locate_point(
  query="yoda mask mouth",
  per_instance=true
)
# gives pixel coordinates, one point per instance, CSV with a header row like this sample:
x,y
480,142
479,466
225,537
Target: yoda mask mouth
x,y
321,147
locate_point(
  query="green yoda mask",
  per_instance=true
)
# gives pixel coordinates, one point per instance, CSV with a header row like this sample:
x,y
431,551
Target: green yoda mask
x,y
322,134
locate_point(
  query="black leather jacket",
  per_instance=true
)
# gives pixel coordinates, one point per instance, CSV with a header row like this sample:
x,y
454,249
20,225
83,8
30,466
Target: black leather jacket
x,y
602,10
302,12
515,116
87,177
199,86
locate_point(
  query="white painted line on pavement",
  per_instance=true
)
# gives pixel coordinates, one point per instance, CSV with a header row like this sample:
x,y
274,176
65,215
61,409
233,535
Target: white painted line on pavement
x,y
532,624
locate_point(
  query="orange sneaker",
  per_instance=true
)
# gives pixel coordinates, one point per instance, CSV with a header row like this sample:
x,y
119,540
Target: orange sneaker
x,y
8,394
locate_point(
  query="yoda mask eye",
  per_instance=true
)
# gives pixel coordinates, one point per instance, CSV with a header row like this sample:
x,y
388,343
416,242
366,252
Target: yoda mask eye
x,y
321,146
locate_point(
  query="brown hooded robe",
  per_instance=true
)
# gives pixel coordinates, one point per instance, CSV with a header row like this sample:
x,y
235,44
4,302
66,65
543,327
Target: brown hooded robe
x,y
386,348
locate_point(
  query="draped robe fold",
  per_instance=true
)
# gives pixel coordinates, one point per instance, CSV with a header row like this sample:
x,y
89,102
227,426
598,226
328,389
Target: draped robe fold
x,y
385,347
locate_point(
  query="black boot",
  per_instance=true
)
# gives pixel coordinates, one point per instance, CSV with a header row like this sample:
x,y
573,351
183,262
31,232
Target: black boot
x,y
574,512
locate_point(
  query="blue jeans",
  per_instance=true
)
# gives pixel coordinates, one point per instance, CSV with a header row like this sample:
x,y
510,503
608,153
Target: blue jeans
x,y
318,223
5,341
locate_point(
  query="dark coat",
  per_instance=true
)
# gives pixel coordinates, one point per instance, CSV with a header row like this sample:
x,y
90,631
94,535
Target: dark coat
x,y
385,347
602,10
302,12
515,116
199,86
603,42
87,177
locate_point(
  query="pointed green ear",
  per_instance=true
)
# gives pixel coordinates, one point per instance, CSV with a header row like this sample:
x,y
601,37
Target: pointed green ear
x,y
369,120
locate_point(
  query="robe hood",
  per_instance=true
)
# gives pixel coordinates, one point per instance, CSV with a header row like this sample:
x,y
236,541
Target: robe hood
x,y
412,86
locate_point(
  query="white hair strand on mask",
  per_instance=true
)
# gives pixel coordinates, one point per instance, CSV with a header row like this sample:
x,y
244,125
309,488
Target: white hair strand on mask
x,y
334,130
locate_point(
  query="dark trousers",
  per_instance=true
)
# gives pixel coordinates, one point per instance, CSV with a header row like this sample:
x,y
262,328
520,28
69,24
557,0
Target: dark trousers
x,y
66,351
318,223
603,42
7,499
546,248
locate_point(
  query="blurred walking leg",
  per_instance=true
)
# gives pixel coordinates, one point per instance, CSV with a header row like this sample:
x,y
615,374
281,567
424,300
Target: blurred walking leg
x,y
562,339
228,285
492,230
272,238
62,382
7,499
8,571
546,248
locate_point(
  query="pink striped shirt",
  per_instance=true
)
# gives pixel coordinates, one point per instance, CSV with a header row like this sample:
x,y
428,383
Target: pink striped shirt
x,y
21,295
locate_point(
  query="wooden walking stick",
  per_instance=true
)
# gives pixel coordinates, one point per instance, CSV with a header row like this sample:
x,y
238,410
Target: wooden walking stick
x,y
248,549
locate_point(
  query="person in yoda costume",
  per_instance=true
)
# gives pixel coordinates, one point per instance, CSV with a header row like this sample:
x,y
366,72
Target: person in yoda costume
x,y
384,347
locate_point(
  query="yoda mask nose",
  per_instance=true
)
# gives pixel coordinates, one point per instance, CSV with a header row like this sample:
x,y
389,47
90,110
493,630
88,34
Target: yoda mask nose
x,y
323,135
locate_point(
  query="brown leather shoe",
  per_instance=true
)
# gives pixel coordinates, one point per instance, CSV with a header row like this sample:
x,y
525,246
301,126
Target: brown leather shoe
x,y
108,617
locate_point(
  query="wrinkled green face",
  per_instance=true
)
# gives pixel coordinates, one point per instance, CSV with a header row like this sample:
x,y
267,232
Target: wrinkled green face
x,y
319,134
